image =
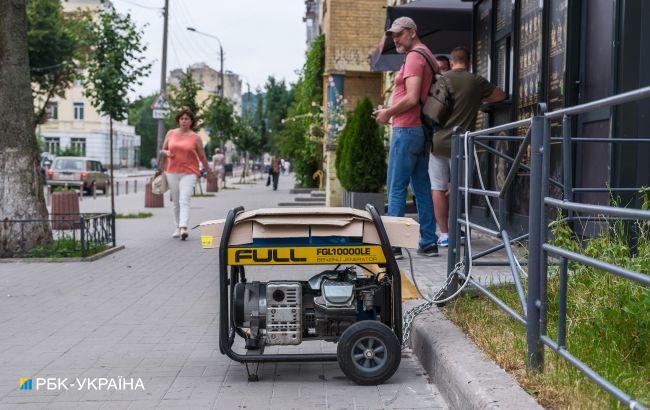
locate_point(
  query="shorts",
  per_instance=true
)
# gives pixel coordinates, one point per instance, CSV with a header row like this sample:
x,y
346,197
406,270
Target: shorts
x,y
439,171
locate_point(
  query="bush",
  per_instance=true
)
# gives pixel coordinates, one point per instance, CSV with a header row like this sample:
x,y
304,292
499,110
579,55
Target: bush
x,y
361,154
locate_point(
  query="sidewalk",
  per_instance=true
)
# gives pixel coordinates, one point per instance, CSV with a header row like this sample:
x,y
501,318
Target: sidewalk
x,y
150,312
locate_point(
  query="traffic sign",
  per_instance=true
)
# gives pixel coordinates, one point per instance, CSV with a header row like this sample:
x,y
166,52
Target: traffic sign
x,y
160,102
160,114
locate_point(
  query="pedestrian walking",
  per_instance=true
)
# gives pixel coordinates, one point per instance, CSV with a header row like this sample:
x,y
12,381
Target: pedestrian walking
x,y
218,160
183,150
409,156
275,171
469,92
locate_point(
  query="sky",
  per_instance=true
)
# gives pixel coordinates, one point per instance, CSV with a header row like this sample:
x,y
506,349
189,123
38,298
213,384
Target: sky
x,y
259,37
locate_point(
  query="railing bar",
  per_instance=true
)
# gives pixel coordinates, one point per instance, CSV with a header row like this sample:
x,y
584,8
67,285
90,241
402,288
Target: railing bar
x,y
629,189
605,140
478,191
619,394
480,228
622,98
495,262
598,264
499,128
605,210
495,299
498,138
515,271
498,247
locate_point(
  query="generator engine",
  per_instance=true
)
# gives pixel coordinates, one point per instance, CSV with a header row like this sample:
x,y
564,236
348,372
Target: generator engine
x,y
288,312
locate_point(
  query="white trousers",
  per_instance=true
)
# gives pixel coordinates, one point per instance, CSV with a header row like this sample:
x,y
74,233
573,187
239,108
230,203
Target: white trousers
x,y
181,187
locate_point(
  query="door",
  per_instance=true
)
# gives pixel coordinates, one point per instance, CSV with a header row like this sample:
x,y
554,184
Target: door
x,y
596,81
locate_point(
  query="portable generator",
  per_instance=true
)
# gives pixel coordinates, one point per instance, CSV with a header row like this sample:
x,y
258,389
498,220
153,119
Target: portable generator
x,y
357,304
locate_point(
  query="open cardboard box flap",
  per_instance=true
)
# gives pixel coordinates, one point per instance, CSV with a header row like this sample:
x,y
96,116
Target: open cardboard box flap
x,y
303,222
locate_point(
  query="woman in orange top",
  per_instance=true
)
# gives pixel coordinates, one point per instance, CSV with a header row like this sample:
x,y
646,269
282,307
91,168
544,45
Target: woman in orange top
x,y
183,150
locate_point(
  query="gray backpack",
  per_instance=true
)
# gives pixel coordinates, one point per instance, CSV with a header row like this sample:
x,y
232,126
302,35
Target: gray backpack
x,y
440,100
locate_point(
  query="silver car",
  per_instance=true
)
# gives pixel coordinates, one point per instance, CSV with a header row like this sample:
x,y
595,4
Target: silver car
x,y
80,172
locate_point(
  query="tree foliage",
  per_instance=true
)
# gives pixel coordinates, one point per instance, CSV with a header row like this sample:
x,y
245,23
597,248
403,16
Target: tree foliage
x,y
141,117
57,44
115,62
361,154
303,116
184,96
220,119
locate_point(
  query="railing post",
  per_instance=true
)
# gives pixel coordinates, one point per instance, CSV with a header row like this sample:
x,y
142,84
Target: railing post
x,y
112,218
543,263
534,347
82,235
467,198
567,175
454,228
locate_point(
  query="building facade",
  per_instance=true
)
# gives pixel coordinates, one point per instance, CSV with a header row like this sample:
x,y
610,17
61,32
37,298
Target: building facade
x,y
72,121
351,30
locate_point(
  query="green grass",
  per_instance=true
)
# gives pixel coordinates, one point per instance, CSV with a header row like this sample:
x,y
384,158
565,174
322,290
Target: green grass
x,y
608,325
139,215
62,248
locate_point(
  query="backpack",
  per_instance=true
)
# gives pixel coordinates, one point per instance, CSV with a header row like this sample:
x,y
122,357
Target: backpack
x,y
439,104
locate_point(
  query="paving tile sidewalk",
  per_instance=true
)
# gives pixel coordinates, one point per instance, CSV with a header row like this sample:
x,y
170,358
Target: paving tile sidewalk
x,y
150,312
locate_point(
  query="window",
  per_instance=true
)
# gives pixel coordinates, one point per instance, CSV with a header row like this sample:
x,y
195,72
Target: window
x,y
79,145
52,145
52,111
78,111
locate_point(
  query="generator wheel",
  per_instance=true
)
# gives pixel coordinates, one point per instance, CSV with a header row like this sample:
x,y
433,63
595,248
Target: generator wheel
x,y
368,352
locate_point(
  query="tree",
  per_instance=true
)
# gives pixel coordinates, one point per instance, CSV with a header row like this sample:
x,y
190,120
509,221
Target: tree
x,y
304,118
361,166
277,99
141,117
57,47
184,96
247,140
21,187
219,119
115,65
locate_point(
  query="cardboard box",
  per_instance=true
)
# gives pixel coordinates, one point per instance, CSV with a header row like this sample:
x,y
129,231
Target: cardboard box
x,y
303,222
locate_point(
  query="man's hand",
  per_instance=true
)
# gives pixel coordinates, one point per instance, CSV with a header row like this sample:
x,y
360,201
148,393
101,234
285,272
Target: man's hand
x,y
382,115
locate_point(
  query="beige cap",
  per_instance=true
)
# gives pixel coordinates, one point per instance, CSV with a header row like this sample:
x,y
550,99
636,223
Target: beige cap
x,y
400,24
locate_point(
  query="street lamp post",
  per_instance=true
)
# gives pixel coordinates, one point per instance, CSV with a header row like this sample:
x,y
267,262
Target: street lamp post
x,y
220,55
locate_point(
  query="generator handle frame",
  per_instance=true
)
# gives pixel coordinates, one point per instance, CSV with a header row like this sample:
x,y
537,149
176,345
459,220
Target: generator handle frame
x,y
226,334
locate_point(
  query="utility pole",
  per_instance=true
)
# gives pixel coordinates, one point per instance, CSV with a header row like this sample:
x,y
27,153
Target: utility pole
x,y
221,69
163,78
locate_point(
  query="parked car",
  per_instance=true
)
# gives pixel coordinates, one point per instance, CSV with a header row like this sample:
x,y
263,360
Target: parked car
x,y
78,172
45,163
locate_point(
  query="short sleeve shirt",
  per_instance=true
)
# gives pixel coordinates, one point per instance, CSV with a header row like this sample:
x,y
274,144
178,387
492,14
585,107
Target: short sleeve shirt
x,y
469,91
414,66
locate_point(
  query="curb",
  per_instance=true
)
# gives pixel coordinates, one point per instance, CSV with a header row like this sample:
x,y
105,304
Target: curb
x,y
91,258
465,377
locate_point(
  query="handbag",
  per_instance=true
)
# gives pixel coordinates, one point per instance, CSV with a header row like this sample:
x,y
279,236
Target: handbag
x,y
268,180
159,180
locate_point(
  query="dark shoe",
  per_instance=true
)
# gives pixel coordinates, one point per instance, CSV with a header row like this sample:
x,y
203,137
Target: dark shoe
x,y
430,250
397,252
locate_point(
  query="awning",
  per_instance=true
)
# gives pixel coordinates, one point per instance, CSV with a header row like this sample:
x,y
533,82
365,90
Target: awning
x,y
442,25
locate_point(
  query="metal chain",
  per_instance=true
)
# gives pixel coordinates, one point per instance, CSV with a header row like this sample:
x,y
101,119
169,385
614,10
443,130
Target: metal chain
x,y
411,314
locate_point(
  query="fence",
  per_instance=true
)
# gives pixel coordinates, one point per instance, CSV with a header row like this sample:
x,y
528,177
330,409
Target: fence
x,y
72,234
534,301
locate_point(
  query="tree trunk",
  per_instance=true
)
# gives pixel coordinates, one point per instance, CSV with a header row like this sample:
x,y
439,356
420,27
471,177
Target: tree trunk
x,y
110,139
21,189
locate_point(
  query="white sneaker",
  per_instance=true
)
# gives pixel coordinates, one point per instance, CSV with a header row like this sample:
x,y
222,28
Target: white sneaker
x,y
177,233
183,233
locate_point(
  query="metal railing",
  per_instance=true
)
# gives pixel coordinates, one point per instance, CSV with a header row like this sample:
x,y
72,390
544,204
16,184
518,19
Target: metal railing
x,y
533,302
72,234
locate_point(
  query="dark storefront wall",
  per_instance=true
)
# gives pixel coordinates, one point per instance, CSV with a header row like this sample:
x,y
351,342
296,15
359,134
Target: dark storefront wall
x,y
566,53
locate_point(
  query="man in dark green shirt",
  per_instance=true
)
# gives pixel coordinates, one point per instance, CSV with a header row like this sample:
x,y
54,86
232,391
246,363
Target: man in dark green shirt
x,y
469,92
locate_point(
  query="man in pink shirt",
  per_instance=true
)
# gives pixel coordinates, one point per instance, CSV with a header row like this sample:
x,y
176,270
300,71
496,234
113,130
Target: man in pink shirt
x,y
409,154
